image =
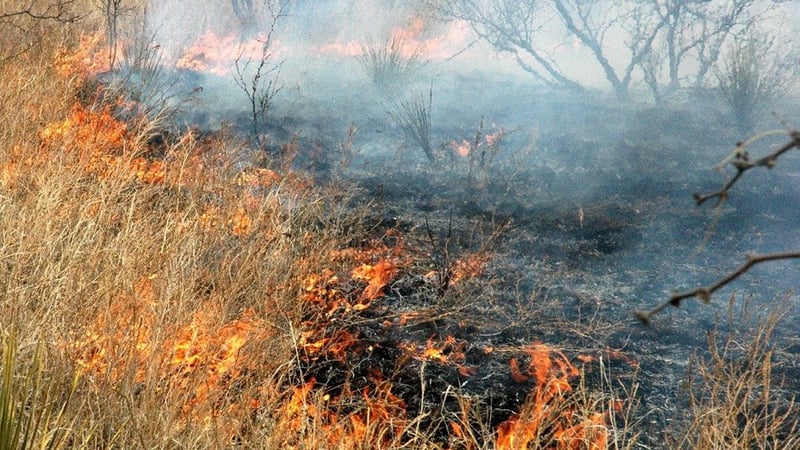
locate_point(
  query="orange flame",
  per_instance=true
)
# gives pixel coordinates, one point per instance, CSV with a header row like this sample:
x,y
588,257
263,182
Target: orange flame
x,y
410,42
91,57
592,431
547,407
470,266
88,131
151,172
335,345
99,139
241,224
490,141
447,351
377,276
217,55
103,350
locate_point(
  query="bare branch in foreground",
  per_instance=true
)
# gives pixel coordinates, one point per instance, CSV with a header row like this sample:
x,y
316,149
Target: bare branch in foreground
x,y
740,160
704,293
57,11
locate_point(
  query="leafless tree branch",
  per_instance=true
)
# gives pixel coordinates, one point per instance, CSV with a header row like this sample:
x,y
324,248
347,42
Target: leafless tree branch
x,y
704,292
740,160
58,11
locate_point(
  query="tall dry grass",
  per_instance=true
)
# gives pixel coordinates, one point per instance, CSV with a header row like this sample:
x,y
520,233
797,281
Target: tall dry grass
x,y
733,398
152,285
167,289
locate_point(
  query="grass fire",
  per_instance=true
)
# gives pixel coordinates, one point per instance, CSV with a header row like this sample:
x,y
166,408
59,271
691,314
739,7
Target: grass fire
x,y
359,224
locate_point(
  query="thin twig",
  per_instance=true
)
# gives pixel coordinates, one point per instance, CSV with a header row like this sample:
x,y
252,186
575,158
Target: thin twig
x,y
704,292
57,11
740,160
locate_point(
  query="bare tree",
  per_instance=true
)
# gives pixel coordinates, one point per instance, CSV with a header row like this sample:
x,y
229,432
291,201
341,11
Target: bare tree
x,y
526,29
666,42
113,10
592,21
694,35
513,27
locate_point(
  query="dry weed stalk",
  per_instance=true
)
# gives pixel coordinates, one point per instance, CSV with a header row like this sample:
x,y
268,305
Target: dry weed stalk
x,y
258,79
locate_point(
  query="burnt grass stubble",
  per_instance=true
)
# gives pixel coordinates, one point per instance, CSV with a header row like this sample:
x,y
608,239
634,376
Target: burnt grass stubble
x,y
587,216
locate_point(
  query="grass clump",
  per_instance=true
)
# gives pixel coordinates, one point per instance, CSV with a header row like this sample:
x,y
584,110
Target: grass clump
x,y
391,64
734,401
31,412
413,116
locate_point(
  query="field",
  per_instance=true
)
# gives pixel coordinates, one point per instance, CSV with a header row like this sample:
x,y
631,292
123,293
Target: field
x,y
223,244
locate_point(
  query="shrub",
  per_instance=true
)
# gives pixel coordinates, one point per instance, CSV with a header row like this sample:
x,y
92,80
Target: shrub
x,y
752,75
391,64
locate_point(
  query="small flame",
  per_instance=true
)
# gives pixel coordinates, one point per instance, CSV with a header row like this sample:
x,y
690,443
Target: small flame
x,y
448,351
547,406
591,433
151,172
335,345
241,224
461,149
470,266
377,276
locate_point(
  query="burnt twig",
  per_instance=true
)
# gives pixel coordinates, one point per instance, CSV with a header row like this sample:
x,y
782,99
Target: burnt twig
x,y
740,160
704,292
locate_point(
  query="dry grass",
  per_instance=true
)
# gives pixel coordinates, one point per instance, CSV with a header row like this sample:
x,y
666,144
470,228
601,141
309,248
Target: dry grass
x,y
188,298
162,297
733,399
152,279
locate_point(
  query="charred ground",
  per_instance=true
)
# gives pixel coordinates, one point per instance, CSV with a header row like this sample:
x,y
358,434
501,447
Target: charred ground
x,y
584,216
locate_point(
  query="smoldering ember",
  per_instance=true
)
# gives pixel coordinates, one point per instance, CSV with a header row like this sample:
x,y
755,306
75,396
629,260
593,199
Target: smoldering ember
x,y
462,224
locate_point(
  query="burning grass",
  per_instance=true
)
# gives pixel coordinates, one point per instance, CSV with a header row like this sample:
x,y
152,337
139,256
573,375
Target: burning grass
x,y
172,294
202,304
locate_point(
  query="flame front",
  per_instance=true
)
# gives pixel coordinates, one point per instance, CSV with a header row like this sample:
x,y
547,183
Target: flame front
x,y
202,358
548,413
